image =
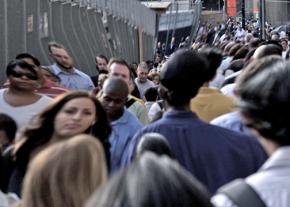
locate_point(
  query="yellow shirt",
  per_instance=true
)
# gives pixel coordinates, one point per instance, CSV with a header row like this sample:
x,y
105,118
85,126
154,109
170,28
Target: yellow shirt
x,y
210,103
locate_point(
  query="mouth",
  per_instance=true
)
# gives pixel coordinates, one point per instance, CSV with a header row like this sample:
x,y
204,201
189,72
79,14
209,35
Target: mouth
x,y
72,126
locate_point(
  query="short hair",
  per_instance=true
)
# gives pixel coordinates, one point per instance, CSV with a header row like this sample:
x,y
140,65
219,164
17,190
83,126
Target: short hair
x,y
120,61
40,131
56,45
27,55
152,181
143,66
155,143
65,173
151,94
9,126
214,57
182,75
264,97
241,53
269,49
22,64
234,49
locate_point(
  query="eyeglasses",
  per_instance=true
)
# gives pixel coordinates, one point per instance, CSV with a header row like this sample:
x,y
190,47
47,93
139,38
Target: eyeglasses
x,y
17,74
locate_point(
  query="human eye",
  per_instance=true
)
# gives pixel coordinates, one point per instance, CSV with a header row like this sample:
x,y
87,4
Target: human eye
x,y
69,111
88,113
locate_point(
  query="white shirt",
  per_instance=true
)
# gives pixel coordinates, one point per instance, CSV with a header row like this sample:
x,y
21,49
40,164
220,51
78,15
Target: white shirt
x,y
22,114
271,182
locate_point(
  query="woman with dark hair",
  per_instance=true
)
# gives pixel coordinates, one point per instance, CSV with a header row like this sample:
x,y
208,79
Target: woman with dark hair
x,y
67,115
152,181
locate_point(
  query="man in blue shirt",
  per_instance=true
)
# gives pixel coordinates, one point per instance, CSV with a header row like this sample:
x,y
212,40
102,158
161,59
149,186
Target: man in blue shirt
x,y
214,155
71,77
124,124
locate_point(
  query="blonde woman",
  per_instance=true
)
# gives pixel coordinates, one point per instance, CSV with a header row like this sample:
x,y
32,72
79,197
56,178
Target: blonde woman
x,y
65,173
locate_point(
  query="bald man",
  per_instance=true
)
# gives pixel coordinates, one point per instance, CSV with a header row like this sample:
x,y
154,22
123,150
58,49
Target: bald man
x,y
124,124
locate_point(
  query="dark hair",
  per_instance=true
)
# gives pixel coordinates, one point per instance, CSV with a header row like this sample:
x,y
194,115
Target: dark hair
x,y
102,57
236,65
264,98
234,49
241,53
214,57
153,142
152,181
118,60
9,126
40,131
151,94
270,49
27,55
22,64
182,76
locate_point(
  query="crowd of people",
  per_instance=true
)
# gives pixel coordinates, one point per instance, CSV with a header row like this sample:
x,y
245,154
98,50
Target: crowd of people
x,y
199,125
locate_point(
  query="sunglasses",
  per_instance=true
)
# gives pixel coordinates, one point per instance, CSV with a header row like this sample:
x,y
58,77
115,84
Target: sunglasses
x,y
17,74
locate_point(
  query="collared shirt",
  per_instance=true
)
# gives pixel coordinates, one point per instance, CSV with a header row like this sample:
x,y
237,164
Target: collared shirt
x,y
213,154
231,121
73,80
271,182
210,103
123,131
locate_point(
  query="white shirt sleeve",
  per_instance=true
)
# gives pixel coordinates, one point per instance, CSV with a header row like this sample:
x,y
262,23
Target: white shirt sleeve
x,y
221,200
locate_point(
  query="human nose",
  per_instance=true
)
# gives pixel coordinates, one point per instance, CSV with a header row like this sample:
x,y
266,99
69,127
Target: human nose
x,y
77,116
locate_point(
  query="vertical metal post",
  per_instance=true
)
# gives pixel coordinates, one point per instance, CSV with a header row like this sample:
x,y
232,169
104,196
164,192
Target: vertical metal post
x,y
262,19
243,15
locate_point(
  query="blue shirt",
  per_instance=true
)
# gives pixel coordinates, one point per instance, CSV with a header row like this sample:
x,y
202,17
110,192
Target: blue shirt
x,y
231,121
73,80
123,130
214,155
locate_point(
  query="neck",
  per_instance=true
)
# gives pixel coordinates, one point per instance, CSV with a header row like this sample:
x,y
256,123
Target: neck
x,y
206,84
185,108
117,115
19,92
55,138
65,68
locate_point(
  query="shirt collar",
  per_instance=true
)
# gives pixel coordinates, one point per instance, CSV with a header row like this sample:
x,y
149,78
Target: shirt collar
x,y
280,158
58,70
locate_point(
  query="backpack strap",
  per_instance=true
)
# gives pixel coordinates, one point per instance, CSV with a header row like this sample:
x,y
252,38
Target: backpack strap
x,y
130,102
242,194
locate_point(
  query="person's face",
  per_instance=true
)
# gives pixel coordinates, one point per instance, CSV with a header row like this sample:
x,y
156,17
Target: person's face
x,y
3,138
101,63
156,80
142,75
284,45
61,57
113,102
23,79
121,71
75,117
47,75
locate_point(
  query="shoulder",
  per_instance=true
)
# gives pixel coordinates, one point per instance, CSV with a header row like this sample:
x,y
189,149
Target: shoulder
x,y
84,75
